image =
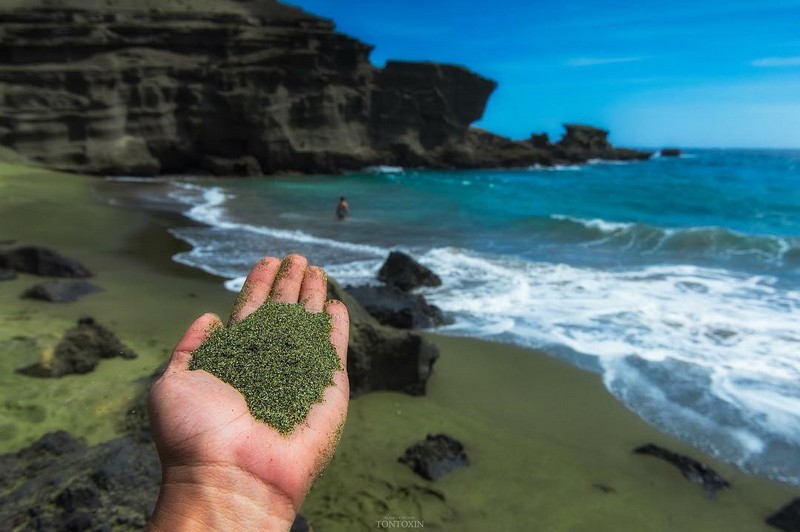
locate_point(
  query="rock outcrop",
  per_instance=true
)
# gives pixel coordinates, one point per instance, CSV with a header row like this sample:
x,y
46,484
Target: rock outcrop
x,y
61,291
80,351
691,469
402,271
395,308
435,456
381,357
234,87
582,143
60,483
41,261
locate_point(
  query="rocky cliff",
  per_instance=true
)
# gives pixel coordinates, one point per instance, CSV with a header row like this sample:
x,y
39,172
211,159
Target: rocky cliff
x,y
234,87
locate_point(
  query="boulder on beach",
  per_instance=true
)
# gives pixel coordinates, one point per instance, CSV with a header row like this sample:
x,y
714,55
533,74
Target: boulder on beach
x,y
391,306
405,273
61,291
80,351
384,358
42,261
381,357
435,456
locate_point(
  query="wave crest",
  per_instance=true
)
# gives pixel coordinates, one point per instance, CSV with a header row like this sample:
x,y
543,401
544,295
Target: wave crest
x,y
683,243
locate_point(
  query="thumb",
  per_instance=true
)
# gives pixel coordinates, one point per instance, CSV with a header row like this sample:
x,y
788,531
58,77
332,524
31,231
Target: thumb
x,y
194,337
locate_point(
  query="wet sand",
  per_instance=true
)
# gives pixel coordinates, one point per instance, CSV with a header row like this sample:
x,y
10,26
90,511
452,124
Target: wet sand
x,y
550,448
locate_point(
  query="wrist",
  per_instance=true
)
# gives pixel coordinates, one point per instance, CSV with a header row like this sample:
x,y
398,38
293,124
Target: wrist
x,y
218,497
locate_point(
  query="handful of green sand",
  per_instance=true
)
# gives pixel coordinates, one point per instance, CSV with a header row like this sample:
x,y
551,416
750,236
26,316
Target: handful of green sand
x,y
280,358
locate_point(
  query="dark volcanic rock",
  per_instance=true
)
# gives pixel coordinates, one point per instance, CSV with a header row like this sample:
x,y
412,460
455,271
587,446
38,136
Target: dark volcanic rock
x,y
381,357
233,88
59,483
787,518
154,87
690,468
435,456
407,106
64,291
405,273
384,358
80,350
42,261
670,152
7,274
391,306
582,143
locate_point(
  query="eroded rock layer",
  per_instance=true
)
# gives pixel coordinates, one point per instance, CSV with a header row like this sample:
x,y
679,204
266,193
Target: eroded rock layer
x,y
232,88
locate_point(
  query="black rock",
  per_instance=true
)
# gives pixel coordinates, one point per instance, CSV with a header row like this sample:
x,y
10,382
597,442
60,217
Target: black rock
x,y
42,261
391,306
59,483
61,291
7,274
787,518
690,468
300,524
670,152
405,273
383,358
435,456
80,350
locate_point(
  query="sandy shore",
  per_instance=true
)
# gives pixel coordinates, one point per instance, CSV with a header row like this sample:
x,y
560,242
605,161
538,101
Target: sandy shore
x,y
550,448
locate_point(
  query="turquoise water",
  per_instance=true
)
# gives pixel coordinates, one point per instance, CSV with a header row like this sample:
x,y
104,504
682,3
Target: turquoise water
x,y
676,279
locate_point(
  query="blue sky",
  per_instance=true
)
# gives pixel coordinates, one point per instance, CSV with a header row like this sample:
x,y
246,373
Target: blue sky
x,y
685,73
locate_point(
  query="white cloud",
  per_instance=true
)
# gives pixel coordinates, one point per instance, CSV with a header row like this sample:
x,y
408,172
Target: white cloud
x,y
776,62
594,61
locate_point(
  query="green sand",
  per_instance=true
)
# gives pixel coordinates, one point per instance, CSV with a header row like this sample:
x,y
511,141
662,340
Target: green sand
x,y
545,439
280,358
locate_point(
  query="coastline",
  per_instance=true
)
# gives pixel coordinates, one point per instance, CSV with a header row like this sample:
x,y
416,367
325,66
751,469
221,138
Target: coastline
x,y
545,439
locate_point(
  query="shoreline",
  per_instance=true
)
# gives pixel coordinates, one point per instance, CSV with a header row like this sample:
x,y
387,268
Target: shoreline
x,y
545,438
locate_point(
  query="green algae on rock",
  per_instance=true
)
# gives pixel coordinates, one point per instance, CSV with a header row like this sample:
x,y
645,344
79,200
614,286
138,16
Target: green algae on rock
x,y
280,358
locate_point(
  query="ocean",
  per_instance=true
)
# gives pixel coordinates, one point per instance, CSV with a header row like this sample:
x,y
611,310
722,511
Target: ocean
x,y
675,279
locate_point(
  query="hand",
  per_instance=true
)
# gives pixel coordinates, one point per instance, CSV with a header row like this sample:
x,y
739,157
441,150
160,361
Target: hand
x,y
222,468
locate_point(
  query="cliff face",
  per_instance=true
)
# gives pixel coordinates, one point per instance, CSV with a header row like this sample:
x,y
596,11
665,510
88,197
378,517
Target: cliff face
x,y
225,86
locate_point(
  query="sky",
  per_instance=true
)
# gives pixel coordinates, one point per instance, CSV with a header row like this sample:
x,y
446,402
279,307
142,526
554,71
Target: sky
x,y
706,73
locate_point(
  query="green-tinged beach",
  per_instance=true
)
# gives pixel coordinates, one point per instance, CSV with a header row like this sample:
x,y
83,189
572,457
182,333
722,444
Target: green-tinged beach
x,y
550,448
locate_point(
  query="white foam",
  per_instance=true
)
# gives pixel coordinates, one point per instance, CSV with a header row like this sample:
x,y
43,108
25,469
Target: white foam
x,y
595,223
209,208
386,169
357,273
740,329
556,167
234,285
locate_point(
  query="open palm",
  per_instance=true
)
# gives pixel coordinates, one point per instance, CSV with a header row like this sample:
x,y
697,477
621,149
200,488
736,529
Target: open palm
x,y
202,426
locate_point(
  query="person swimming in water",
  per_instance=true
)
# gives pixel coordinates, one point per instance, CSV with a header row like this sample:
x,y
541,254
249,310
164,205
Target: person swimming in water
x,y
342,209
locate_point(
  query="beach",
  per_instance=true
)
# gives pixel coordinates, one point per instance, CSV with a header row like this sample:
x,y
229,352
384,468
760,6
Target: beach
x,y
550,448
